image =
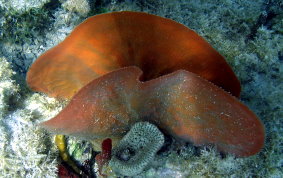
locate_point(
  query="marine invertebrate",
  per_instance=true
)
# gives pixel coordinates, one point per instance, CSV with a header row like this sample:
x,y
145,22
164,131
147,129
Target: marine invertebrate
x,y
111,41
182,103
104,157
137,148
81,6
8,87
62,147
63,171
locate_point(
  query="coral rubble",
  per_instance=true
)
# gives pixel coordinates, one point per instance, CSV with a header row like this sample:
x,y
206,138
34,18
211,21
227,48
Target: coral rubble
x,y
25,150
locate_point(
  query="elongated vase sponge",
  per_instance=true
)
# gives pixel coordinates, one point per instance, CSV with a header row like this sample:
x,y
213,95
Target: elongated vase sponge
x,y
136,149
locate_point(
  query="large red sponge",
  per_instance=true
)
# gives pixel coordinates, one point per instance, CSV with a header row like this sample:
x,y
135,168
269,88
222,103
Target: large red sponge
x,y
107,42
182,104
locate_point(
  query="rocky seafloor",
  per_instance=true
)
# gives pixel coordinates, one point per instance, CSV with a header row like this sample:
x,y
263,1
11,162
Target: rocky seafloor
x,y
249,34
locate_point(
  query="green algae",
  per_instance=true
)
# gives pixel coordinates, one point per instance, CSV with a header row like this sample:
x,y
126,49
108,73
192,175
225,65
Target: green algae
x,y
22,27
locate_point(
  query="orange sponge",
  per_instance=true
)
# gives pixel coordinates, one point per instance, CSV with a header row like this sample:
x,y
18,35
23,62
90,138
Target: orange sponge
x,y
182,104
175,88
107,42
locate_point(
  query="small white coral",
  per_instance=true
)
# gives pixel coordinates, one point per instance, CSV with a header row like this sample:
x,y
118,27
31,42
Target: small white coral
x,y
80,6
8,88
22,5
25,150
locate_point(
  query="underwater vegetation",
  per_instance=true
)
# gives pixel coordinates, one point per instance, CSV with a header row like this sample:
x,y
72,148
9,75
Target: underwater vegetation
x,y
247,33
106,102
26,23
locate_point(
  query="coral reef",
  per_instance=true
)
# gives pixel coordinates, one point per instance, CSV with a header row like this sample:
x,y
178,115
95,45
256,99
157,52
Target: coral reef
x,y
80,6
226,24
25,150
22,5
19,27
136,149
257,62
9,89
25,35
